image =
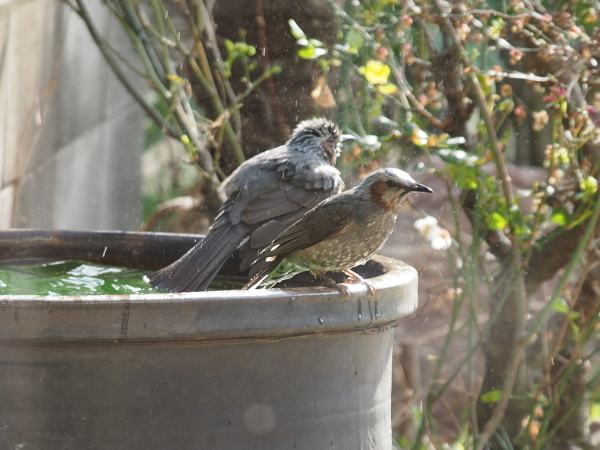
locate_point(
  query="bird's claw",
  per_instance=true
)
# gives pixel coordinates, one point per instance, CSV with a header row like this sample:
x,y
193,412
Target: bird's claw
x,y
343,290
338,287
370,288
353,277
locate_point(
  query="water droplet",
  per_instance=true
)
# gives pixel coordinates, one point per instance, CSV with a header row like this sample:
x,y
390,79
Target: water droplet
x,y
321,320
359,316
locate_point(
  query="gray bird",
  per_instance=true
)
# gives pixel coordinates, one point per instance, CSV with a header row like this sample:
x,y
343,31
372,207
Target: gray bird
x,y
264,195
340,233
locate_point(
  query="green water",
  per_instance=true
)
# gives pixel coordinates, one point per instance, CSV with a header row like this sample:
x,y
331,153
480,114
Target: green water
x,y
72,278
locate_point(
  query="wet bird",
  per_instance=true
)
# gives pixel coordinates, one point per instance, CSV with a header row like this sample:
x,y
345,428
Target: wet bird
x,y
264,195
340,233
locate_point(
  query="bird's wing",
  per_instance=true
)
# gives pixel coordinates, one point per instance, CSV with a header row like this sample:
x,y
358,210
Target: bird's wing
x,y
325,221
281,199
290,186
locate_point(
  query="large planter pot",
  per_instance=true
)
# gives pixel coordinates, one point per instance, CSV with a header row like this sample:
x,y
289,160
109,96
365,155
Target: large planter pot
x,y
300,368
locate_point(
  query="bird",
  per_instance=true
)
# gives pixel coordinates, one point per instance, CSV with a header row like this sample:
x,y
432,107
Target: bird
x,y
263,196
340,233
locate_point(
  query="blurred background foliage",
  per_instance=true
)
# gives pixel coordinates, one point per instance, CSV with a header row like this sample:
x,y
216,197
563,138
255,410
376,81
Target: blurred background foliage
x,y
496,102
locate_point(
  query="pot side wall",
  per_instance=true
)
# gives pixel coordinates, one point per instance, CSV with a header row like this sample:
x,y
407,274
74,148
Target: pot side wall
x,y
328,391
302,368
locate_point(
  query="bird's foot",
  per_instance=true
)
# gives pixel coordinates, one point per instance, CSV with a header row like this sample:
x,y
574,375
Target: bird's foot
x,y
353,277
327,281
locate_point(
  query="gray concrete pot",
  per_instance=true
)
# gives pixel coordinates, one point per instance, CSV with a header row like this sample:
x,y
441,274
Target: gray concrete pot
x,y
300,368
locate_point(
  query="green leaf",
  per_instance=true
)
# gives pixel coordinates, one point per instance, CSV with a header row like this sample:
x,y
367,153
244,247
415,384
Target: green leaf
x,y
497,221
311,52
463,175
561,306
315,43
355,41
595,411
307,53
455,141
404,442
320,52
419,137
575,330
492,396
559,216
274,70
246,49
487,84
589,186
296,30
457,156
495,27
563,107
524,231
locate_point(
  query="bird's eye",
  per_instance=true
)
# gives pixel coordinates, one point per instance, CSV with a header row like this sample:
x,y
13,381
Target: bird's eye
x,y
390,183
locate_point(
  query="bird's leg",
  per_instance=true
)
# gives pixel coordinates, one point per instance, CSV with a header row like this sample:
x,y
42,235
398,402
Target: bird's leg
x,y
354,277
338,287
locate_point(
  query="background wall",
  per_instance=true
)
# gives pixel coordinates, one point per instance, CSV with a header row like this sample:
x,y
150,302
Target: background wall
x,y
70,135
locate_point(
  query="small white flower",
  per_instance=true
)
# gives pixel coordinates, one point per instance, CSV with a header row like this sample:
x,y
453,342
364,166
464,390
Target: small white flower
x,y
442,241
438,237
427,227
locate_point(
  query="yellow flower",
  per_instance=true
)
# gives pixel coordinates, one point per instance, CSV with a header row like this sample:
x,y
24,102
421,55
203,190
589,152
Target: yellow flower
x,y
375,72
387,88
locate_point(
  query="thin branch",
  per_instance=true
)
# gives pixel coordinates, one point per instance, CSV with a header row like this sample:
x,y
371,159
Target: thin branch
x,y
232,136
513,310
517,76
490,12
172,93
581,242
208,29
428,37
134,22
167,128
480,98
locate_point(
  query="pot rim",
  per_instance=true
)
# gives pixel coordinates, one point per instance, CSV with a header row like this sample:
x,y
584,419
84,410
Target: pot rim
x,y
198,316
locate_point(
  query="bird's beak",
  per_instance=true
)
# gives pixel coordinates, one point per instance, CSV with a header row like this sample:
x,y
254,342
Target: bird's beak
x,y
347,137
421,188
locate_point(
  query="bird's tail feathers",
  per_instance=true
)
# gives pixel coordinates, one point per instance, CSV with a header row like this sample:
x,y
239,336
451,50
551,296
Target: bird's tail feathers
x,y
196,269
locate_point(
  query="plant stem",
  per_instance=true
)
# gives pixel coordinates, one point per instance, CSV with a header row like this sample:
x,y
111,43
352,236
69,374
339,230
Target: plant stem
x,y
167,128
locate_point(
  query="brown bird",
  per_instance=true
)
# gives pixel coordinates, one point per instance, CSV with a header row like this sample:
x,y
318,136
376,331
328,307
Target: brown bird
x,y
341,232
265,195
